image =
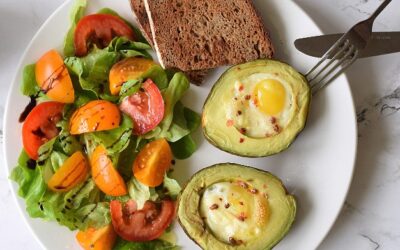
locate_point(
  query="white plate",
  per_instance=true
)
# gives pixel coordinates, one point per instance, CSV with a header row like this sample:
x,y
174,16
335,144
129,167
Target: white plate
x,y
317,168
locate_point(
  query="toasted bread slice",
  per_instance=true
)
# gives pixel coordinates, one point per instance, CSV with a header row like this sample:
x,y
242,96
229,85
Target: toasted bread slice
x,y
196,76
196,35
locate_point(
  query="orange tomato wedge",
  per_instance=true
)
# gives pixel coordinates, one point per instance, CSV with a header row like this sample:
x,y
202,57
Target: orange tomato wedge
x,y
96,115
97,239
72,172
152,162
53,78
130,68
105,175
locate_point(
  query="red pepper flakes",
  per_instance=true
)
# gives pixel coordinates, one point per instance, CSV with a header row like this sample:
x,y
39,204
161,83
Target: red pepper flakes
x,y
241,87
227,205
241,203
243,131
273,120
239,112
277,128
241,140
235,242
229,123
243,184
214,206
253,191
242,217
255,102
247,97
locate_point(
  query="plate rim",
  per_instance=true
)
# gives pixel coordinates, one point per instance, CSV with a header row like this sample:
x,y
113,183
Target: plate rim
x,y
7,110
355,149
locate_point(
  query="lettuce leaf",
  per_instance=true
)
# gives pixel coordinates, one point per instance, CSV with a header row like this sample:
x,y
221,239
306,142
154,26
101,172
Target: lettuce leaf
x,y
140,192
184,147
31,184
158,75
177,87
171,95
77,12
46,149
78,208
93,69
129,88
29,86
172,187
68,142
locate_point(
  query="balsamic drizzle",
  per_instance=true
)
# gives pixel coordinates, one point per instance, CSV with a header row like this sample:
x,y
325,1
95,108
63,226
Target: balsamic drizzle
x,y
28,108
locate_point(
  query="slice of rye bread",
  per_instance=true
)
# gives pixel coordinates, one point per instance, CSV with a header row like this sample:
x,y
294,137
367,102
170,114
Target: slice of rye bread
x,y
196,35
138,8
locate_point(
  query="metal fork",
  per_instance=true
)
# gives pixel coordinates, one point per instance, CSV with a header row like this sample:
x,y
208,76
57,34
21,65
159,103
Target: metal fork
x,y
343,53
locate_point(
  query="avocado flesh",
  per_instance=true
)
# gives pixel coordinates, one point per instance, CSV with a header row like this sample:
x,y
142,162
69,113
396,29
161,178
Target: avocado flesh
x,y
270,226
232,140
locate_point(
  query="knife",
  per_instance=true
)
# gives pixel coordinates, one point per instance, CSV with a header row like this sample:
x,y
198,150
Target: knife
x,y
381,43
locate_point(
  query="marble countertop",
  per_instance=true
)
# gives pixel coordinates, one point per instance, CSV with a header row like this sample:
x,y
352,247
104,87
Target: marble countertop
x,y
370,218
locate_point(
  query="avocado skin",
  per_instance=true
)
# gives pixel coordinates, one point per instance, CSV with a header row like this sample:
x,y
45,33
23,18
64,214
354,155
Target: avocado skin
x,y
293,133
230,171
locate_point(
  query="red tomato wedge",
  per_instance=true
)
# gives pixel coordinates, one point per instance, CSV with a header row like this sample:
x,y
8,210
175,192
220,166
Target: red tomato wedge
x,y
72,172
145,107
104,174
99,29
40,126
53,78
97,239
146,224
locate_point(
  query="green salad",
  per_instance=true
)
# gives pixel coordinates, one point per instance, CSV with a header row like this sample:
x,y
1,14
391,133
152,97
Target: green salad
x,y
100,136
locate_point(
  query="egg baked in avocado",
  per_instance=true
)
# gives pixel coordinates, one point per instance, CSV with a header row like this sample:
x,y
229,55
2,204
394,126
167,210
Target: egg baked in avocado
x,y
230,206
256,109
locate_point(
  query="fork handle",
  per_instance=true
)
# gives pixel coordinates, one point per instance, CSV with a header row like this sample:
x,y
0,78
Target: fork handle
x,y
379,10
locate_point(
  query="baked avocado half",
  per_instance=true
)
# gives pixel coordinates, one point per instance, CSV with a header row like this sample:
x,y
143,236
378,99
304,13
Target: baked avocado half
x,y
230,206
256,109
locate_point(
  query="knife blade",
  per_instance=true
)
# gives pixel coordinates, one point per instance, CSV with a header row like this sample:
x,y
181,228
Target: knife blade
x,y
381,43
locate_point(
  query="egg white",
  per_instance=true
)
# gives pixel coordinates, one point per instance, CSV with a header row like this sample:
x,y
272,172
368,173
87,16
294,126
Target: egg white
x,y
222,206
248,118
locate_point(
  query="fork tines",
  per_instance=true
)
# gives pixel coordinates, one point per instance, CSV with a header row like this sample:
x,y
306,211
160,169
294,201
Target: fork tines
x,y
343,54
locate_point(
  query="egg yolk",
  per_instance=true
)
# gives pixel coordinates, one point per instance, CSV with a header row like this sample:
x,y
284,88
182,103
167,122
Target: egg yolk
x,y
270,96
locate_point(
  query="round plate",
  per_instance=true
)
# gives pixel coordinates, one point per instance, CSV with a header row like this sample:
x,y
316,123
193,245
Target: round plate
x,y
317,168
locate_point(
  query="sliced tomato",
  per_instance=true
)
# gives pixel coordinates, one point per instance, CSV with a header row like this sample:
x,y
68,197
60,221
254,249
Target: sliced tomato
x,y
145,224
99,29
97,239
40,126
72,172
104,174
152,162
53,78
145,107
96,115
127,69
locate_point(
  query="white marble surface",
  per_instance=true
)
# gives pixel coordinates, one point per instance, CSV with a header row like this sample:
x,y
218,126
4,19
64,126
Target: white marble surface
x,y
370,218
